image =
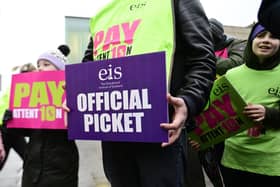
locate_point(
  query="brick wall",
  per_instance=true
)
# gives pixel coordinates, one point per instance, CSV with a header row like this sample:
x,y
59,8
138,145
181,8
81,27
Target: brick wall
x,y
237,32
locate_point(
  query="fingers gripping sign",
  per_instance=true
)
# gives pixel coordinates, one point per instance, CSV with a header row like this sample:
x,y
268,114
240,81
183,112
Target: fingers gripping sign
x,y
179,117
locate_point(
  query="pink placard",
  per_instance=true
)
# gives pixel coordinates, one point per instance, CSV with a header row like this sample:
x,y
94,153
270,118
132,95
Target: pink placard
x,y
36,99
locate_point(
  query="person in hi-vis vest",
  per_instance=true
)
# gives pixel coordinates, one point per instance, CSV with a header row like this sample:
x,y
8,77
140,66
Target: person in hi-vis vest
x,y
10,139
192,61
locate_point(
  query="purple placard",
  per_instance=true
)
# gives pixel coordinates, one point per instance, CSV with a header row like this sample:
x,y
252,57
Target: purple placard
x,y
120,99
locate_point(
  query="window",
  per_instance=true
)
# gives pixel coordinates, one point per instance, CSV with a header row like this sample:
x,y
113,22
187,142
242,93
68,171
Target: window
x,y
77,37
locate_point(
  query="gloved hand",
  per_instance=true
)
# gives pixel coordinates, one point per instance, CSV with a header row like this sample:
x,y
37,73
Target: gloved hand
x,y
8,115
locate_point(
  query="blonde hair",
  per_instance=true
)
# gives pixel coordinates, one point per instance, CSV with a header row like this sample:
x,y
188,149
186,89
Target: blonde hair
x,y
29,67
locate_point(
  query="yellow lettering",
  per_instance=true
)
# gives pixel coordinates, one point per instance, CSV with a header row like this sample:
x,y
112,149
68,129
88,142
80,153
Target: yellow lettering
x,y
38,94
56,92
22,90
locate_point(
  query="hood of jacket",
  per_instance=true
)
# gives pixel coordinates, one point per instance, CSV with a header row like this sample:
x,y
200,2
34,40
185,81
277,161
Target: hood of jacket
x,y
252,61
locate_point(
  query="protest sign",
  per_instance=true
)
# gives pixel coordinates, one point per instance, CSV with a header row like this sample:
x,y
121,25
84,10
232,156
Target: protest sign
x,y
222,118
36,99
121,99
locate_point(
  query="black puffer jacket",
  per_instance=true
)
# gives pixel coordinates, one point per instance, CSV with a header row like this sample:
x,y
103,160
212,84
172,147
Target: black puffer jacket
x,y
235,48
51,160
193,69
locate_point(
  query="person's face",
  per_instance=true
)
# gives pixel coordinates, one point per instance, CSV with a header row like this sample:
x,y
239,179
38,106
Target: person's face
x,y
45,65
265,45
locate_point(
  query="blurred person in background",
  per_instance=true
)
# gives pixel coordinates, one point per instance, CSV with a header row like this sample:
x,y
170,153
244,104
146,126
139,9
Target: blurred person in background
x,y
10,139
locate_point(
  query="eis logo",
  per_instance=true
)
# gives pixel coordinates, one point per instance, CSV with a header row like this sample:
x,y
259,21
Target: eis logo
x,y
137,6
220,89
110,73
274,91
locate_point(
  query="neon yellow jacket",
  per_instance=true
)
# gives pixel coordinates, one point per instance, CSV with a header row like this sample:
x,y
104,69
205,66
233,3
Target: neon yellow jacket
x,y
4,103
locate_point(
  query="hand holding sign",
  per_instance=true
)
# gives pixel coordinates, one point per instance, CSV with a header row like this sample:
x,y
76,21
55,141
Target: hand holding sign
x,y
195,145
255,112
180,115
224,117
66,109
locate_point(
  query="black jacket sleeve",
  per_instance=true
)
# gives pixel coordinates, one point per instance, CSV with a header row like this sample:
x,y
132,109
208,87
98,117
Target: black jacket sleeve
x,y
8,115
193,70
88,55
272,118
235,56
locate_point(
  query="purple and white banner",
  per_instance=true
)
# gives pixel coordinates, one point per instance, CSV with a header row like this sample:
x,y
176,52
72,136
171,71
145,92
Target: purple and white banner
x,y
121,99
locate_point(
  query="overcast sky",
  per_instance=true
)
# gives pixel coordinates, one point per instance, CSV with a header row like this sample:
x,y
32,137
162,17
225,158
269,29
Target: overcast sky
x,y
15,15
229,12
232,12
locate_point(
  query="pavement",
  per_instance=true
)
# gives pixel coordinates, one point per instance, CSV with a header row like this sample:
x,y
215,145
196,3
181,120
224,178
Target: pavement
x,y
10,175
90,171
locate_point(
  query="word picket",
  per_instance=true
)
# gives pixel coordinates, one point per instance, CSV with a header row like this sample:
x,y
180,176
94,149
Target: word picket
x,y
115,122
